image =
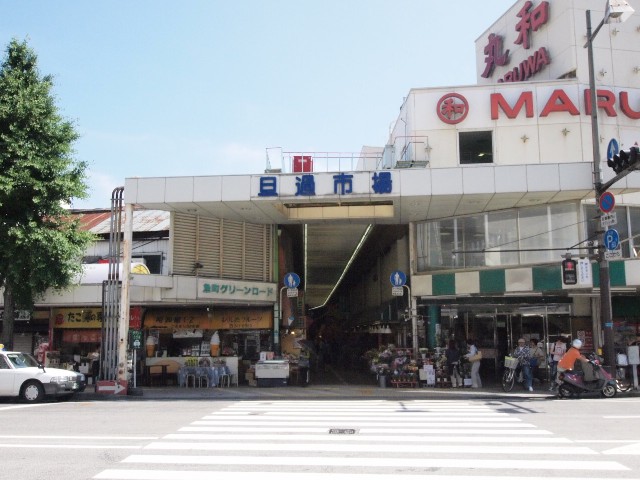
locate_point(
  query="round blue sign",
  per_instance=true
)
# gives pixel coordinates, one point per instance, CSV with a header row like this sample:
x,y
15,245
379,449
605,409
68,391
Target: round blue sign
x,y
607,202
613,148
398,278
611,239
291,280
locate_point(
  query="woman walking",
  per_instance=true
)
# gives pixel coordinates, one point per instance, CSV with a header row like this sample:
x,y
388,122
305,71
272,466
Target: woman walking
x,y
453,364
472,352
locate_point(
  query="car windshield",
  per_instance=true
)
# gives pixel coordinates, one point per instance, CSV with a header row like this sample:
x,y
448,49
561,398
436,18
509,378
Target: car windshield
x,y
22,360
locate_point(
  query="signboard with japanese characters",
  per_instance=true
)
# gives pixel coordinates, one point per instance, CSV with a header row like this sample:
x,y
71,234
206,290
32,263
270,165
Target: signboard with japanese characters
x,y
90,317
512,55
77,317
223,289
214,319
323,184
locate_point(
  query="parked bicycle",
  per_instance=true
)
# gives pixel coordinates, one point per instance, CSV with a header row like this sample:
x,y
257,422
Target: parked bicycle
x,y
509,375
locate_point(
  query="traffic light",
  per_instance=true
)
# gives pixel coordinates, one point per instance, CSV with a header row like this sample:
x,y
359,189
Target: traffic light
x,y
619,161
624,159
569,272
634,154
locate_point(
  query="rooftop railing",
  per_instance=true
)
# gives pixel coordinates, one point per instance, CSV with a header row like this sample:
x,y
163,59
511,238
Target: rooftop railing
x,y
405,152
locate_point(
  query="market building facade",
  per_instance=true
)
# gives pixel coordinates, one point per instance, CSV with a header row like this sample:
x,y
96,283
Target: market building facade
x,y
479,193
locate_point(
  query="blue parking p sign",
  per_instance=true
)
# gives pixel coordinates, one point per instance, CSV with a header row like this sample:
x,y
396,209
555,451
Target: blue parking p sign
x,y
611,239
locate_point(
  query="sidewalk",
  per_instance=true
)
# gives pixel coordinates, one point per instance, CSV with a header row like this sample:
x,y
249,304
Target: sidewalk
x,y
335,384
317,392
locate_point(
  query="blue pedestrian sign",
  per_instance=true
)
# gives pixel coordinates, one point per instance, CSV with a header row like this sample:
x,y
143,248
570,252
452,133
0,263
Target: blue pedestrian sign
x,y
612,149
398,278
291,280
611,239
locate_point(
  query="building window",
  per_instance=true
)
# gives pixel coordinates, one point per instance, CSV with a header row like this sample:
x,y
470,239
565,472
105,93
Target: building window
x,y
540,234
153,261
475,147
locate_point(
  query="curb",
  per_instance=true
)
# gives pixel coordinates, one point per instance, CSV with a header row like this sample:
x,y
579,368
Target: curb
x,y
323,392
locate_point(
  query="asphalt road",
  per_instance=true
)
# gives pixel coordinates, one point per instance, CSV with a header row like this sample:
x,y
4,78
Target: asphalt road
x,y
310,439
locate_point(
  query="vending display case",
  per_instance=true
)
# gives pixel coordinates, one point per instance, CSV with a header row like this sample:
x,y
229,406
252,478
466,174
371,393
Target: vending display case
x,y
272,373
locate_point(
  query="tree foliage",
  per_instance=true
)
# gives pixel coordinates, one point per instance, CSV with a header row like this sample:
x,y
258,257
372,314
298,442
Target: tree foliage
x,y
40,243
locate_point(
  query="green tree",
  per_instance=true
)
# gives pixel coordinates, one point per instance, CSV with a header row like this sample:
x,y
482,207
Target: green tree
x,y
41,244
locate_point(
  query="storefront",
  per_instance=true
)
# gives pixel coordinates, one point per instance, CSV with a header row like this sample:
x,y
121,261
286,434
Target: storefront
x,y
31,329
233,336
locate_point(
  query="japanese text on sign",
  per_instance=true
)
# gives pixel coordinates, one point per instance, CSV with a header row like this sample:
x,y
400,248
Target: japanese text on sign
x,y
343,184
230,289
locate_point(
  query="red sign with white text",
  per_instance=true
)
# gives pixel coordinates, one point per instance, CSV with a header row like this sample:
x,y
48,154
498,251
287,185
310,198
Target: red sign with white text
x,y
302,163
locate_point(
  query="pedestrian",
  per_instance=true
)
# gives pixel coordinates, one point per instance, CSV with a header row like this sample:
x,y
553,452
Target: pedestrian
x,y
523,354
95,362
303,367
453,364
474,357
537,359
558,349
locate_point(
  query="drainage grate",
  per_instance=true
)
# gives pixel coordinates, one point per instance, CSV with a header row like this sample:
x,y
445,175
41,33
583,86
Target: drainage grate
x,y
342,431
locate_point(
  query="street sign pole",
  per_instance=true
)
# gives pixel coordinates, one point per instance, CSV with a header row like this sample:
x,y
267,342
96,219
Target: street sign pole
x,y
414,324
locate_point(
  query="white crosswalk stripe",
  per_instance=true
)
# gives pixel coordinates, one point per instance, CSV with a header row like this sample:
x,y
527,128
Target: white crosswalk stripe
x,y
365,440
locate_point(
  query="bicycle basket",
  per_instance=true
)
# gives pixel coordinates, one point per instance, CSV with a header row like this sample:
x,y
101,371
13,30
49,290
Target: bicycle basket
x,y
510,362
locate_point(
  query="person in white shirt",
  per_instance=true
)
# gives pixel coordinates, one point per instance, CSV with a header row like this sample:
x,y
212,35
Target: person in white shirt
x,y
558,349
472,350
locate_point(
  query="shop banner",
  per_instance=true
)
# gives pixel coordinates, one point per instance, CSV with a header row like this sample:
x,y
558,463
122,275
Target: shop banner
x,y
77,317
90,318
223,319
135,318
243,320
81,336
216,289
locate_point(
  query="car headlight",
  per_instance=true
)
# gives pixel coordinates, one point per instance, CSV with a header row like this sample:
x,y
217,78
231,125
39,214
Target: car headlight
x,y
62,379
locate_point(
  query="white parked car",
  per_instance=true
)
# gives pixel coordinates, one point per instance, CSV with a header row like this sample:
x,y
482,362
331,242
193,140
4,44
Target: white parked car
x,y
22,376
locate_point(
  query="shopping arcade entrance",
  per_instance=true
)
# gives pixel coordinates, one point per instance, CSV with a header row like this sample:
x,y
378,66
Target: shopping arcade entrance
x,y
329,229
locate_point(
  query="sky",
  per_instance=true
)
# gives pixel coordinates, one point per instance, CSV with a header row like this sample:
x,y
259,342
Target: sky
x,y
161,88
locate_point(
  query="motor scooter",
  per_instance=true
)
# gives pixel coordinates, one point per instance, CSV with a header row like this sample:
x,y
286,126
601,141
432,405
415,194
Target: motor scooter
x,y
592,378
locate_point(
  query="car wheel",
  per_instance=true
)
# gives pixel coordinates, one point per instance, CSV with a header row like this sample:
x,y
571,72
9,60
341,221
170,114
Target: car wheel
x,y
32,392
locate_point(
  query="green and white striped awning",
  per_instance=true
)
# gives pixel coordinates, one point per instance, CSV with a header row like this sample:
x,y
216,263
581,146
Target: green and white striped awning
x,y
624,274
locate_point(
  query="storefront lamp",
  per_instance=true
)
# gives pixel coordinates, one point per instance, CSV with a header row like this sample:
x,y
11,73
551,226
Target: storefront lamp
x,y
618,11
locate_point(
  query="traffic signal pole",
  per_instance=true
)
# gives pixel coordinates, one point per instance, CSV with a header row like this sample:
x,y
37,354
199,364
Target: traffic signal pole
x,y
606,315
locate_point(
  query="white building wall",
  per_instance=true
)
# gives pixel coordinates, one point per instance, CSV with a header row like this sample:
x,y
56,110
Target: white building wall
x,y
616,47
556,137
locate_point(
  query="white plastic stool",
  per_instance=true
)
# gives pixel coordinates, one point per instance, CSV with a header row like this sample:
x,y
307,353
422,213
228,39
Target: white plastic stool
x,y
225,380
